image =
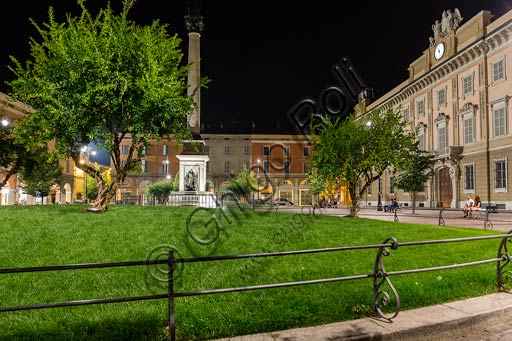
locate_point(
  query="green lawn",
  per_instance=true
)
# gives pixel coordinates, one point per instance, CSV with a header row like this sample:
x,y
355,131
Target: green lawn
x,y
56,235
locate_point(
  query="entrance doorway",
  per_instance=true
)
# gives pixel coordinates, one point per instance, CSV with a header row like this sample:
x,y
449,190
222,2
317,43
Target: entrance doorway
x,y
445,187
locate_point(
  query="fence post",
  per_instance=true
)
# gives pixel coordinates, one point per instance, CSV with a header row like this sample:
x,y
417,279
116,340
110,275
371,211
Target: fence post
x,y
170,294
380,277
501,273
487,222
441,219
396,215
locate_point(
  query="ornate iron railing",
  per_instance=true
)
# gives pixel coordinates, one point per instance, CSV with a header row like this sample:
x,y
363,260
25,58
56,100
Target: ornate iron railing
x,y
380,276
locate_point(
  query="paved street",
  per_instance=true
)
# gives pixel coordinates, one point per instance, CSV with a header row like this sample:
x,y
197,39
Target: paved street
x,y
501,221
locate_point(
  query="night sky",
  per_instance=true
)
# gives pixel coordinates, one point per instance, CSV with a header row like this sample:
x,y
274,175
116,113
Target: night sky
x,y
264,56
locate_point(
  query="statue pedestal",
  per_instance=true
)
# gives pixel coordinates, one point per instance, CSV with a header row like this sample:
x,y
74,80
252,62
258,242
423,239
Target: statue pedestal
x,y
192,166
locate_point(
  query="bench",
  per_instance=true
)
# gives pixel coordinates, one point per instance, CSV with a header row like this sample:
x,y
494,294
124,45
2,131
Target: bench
x,y
486,209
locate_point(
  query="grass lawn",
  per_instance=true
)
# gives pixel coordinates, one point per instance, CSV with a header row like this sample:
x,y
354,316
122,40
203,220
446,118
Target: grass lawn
x,y
65,234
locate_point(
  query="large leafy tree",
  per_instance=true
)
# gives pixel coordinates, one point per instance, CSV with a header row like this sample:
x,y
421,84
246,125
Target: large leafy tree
x,y
417,171
103,78
360,149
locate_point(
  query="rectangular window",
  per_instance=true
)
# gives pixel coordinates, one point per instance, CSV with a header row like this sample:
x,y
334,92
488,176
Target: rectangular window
x,y
498,71
305,168
369,190
500,174
469,128
392,184
123,163
442,140
266,167
499,119
226,166
469,177
441,97
124,149
265,150
467,85
246,150
286,166
420,107
165,166
165,149
306,151
226,150
286,151
405,114
144,166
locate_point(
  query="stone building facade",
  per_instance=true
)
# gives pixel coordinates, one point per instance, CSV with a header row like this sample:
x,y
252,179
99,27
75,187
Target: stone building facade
x,y
457,98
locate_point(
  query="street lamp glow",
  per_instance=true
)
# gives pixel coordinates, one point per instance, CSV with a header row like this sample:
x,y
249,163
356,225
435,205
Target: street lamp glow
x,y
93,152
168,177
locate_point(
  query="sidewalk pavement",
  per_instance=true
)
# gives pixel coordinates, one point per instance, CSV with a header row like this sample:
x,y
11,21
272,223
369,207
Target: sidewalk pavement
x,y
480,318
501,221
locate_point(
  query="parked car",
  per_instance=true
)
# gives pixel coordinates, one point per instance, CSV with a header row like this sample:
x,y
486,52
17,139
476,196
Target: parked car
x,y
283,201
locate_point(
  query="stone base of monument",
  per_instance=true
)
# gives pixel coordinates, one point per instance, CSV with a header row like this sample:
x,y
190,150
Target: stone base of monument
x,y
193,198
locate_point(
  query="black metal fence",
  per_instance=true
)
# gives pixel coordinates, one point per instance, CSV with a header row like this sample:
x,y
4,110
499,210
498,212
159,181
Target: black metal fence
x,y
381,298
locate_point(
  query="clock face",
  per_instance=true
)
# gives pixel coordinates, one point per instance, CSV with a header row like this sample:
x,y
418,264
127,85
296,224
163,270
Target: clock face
x,y
438,53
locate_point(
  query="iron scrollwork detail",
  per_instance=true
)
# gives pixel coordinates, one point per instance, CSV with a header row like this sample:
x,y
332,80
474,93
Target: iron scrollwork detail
x,y
381,297
504,275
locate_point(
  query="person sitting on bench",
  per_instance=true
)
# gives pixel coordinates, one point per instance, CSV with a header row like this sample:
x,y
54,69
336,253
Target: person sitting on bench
x,y
467,206
474,209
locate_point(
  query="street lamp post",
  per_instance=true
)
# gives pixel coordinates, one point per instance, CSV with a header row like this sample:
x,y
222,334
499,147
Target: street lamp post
x,y
258,178
86,163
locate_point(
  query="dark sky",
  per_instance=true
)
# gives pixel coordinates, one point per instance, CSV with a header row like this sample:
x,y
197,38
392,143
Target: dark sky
x,y
264,56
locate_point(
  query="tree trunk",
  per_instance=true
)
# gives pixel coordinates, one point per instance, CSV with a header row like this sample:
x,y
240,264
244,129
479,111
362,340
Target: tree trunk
x,y
105,194
356,199
413,202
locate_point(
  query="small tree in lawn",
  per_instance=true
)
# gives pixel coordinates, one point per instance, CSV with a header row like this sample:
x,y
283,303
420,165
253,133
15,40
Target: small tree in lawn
x,y
416,173
244,184
316,184
360,149
103,78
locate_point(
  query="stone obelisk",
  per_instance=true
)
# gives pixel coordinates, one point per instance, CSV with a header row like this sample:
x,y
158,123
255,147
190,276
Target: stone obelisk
x,y
192,159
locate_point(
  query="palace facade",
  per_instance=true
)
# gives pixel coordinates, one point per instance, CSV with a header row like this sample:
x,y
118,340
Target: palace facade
x,y
457,98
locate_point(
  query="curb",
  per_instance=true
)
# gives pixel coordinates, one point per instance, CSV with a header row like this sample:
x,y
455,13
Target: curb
x,y
440,322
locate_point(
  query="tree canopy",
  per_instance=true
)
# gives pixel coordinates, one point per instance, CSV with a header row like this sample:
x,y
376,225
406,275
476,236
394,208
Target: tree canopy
x,y
359,149
416,172
244,184
103,78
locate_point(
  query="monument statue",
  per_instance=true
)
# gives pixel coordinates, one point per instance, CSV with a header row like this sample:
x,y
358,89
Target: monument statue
x,y
191,181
